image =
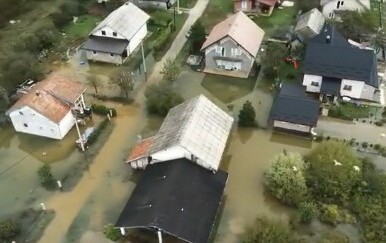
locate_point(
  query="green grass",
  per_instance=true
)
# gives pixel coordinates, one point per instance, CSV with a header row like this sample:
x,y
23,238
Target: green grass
x,y
280,18
83,27
228,89
349,111
187,3
216,11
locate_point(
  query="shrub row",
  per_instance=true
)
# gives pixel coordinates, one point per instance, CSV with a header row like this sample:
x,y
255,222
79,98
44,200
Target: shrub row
x,y
98,130
119,99
103,110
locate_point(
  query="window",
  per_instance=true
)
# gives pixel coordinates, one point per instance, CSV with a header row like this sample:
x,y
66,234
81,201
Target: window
x,y
115,34
25,125
218,49
338,5
94,52
347,87
103,32
111,54
21,113
341,3
238,51
316,84
223,51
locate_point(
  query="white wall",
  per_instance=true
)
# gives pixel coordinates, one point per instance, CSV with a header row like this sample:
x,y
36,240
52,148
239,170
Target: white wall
x,y
66,124
139,163
36,123
176,152
356,91
104,57
352,5
291,126
136,40
109,33
308,79
368,92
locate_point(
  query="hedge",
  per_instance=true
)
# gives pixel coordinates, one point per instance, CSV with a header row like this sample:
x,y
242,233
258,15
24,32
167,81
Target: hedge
x,y
98,130
103,110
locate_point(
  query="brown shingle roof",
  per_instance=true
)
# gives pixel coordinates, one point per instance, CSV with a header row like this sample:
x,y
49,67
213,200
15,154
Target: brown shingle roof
x,y
141,149
52,97
241,29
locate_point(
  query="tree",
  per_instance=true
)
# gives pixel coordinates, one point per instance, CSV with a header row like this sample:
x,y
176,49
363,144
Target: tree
x,y
112,233
45,176
197,36
94,82
331,173
285,178
274,55
307,5
247,115
330,214
270,73
9,229
170,70
269,231
357,25
160,98
124,80
307,211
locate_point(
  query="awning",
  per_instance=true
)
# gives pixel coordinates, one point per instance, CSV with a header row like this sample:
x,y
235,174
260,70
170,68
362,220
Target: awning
x,y
178,197
105,44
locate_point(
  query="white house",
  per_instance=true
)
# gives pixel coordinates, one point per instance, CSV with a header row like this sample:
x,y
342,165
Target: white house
x,y
335,68
197,130
309,24
118,35
46,110
331,8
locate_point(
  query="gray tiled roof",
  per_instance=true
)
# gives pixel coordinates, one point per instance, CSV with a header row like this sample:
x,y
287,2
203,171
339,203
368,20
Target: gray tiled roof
x,y
125,20
337,58
103,44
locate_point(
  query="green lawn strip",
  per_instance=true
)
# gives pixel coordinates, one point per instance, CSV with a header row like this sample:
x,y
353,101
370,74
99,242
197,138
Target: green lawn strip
x,y
349,111
215,12
83,27
187,3
280,18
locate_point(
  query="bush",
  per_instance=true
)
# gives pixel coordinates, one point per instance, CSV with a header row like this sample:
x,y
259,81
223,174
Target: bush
x,y
330,214
379,123
112,233
60,19
285,178
247,115
365,145
307,211
160,98
268,231
103,110
270,73
9,229
73,8
45,177
170,70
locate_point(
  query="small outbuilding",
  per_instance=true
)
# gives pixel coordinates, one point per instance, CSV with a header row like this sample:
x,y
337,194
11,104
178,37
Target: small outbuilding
x,y
309,24
118,35
175,198
294,111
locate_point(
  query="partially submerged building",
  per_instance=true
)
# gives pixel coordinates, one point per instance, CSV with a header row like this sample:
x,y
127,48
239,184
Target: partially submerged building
x,y
197,130
176,198
118,35
47,109
262,7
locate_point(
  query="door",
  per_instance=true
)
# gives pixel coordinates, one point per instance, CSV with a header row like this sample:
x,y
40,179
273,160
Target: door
x,y
244,4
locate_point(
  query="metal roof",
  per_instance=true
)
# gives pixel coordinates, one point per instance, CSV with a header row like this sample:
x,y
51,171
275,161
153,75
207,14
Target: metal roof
x,y
125,20
329,54
331,86
199,126
177,197
313,19
105,44
292,104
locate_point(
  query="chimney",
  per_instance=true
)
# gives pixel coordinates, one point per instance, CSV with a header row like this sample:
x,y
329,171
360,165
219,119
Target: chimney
x,y
328,39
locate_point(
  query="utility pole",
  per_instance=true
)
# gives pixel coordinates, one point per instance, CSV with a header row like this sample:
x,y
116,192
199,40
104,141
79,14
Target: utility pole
x,y
178,6
174,13
143,61
79,135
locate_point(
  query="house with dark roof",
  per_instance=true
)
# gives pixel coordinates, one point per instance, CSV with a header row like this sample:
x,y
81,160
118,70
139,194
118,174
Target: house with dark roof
x,y
335,68
197,130
294,110
118,35
46,109
331,8
262,7
177,198
232,46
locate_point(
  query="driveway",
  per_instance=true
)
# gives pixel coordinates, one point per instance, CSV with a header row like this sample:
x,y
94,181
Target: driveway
x,y
362,132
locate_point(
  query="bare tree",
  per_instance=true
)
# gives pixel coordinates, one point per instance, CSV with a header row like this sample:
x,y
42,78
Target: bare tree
x,y
124,80
94,81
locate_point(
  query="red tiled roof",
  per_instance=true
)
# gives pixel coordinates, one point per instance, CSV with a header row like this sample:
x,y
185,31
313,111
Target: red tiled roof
x,y
141,149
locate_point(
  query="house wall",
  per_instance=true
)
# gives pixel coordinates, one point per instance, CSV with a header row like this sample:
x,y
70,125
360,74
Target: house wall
x,y
351,5
66,124
308,79
36,123
307,33
291,126
368,92
152,4
175,152
104,57
228,44
109,33
137,38
140,163
356,91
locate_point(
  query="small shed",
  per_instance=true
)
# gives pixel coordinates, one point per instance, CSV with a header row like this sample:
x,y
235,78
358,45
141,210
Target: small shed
x,y
177,198
309,24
